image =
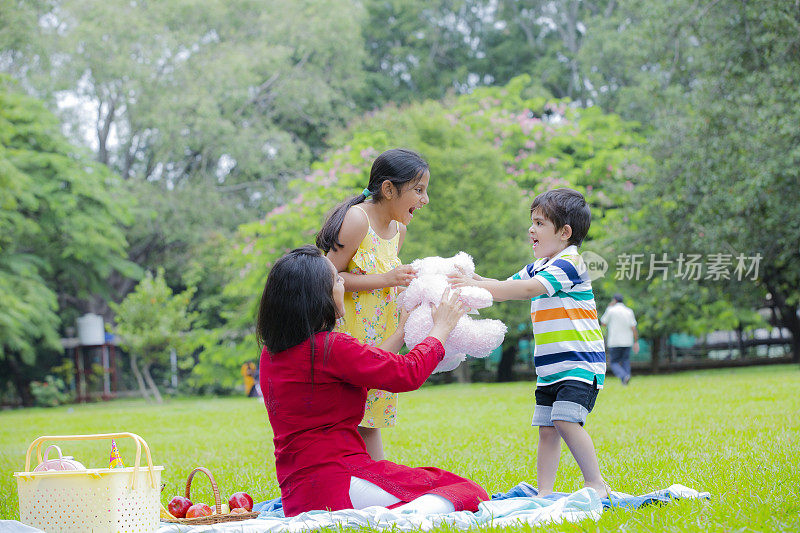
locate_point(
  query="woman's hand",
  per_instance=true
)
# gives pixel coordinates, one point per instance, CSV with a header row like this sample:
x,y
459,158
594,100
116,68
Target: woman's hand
x,y
400,276
446,315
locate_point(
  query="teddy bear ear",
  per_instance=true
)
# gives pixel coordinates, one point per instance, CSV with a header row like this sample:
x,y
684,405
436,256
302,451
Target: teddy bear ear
x,y
464,260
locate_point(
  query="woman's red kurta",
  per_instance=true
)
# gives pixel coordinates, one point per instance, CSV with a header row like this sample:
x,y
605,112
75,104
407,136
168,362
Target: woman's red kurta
x,y
314,420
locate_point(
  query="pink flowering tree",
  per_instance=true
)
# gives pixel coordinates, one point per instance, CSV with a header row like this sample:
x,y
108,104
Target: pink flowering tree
x,y
490,153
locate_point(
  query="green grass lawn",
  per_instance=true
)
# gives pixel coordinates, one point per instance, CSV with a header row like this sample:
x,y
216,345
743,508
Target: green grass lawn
x,y
734,433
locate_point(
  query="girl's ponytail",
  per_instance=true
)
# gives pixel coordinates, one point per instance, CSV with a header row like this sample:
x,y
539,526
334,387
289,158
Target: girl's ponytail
x,y
398,165
328,236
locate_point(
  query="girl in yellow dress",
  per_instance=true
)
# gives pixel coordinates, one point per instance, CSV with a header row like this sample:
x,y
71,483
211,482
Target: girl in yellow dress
x,y
362,237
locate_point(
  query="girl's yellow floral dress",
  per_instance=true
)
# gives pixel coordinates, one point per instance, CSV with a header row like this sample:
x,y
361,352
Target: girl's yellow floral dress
x,y
371,316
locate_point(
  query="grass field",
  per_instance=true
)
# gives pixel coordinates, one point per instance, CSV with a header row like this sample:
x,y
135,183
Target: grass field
x,y
734,433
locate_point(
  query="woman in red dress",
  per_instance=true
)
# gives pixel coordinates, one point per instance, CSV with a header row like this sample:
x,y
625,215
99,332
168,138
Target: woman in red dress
x,y
315,382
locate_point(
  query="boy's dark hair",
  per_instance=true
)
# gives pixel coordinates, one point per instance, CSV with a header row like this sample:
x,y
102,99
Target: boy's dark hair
x,y
565,206
397,165
297,302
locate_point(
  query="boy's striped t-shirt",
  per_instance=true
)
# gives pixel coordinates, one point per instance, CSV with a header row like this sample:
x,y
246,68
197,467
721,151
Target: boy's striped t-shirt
x,y
568,340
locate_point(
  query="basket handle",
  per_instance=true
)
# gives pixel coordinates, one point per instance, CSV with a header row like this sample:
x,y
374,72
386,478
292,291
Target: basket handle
x,y
214,487
99,436
47,452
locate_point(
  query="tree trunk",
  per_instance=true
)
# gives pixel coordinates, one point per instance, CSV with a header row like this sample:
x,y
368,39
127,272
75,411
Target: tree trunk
x,y
463,372
788,314
104,129
505,370
790,321
655,354
788,318
740,337
139,380
571,40
21,383
152,384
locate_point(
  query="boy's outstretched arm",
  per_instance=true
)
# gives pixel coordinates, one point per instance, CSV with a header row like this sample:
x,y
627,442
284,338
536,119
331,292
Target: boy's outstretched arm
x,y
511,289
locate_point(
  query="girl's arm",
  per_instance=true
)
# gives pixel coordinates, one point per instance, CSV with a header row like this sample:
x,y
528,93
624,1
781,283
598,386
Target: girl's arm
x,y
354,229
395,341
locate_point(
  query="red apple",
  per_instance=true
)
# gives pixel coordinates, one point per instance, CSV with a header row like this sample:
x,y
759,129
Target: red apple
x,y
241,499
178,506
239,510
198,509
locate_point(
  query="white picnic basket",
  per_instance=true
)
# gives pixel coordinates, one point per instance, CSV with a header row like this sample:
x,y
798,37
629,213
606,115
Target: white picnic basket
x,y
96,499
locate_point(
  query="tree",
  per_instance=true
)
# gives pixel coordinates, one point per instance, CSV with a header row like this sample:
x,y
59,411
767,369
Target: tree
x,y
547,143
228,92
205,109
545,40
490,152
19,23
151,321
60,233
420,50
725,135
641,57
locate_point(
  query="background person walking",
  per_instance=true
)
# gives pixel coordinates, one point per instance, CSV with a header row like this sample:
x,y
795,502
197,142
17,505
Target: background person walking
x,y
620,337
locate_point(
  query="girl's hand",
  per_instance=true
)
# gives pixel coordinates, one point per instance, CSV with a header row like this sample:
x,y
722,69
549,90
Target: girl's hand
x,y
395,341
402,318
400,276
446,315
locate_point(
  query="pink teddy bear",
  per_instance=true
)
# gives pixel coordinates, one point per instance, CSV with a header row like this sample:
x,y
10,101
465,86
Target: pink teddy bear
x,y
475,337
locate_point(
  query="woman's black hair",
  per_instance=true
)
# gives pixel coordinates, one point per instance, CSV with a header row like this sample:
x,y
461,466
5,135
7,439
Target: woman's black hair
x,y
297,302
397,165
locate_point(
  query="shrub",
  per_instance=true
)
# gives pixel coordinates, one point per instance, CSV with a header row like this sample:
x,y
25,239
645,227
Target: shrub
x,y
50,393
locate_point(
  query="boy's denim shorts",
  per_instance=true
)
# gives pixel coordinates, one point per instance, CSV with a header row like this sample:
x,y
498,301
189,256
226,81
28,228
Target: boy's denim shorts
x,y
569,400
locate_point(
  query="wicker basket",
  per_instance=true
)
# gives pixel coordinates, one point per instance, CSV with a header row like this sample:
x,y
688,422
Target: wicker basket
x,y
216,518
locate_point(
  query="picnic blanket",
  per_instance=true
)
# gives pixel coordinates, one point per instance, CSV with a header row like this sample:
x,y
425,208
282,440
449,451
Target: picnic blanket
x,y
519,505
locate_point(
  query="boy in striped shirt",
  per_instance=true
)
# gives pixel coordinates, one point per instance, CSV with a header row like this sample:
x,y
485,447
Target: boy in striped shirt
x,y
569,354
